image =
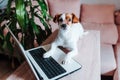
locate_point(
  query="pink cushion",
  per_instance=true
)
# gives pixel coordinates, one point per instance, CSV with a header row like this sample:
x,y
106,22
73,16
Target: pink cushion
x,y
97,13
108,32
64,6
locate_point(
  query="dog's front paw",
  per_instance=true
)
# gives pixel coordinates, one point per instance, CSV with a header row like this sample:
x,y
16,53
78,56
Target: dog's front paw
x,y
66,60
46,55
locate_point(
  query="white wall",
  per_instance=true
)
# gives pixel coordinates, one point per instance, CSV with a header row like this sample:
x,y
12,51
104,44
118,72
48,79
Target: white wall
x,y
116,2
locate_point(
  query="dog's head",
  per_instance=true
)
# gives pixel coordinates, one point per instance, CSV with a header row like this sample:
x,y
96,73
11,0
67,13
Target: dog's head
x,y
65,20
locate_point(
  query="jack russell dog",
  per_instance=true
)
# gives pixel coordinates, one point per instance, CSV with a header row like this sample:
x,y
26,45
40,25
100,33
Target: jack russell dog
x,y
70,30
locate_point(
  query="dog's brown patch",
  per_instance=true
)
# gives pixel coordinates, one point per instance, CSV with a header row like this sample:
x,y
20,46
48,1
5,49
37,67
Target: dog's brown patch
x,y
56,18
74,18
68,18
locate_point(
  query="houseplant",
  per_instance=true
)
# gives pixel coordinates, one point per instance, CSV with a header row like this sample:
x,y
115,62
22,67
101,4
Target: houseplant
x,y
21,15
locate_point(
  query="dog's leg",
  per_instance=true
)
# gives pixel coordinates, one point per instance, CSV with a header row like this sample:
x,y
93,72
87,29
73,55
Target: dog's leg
x,y
69,56
51,51
54,45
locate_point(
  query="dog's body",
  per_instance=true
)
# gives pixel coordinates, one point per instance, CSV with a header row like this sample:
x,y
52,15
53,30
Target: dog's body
x,y
69,32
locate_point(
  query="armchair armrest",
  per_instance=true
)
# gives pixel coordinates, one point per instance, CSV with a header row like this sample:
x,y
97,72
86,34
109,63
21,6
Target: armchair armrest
x,y
117,55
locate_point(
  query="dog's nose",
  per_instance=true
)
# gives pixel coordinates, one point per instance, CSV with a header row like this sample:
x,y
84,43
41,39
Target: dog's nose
x,y
63,25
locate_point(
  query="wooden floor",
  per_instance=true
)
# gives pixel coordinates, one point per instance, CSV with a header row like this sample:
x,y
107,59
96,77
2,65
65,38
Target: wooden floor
x,y
6,69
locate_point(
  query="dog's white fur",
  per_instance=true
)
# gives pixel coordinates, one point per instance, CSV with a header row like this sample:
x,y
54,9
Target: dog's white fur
x,y
67,38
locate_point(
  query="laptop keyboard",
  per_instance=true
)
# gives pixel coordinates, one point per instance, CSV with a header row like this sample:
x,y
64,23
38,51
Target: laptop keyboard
x,y
49,66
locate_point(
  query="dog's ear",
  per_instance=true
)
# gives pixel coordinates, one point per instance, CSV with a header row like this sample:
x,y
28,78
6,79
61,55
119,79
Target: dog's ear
x,y
55,19
74,18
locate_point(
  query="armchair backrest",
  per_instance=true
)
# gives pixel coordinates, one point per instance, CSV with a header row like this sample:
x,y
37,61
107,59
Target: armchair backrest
x,y
100,17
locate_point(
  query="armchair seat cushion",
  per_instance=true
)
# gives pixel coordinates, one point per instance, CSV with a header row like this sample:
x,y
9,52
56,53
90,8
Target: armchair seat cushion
x,y
108,63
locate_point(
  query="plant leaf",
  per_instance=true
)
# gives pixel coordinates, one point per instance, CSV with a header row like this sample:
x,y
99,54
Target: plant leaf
x,y
1,34
20,13
9,6
47,29
4,45
7,43
43,7
35,28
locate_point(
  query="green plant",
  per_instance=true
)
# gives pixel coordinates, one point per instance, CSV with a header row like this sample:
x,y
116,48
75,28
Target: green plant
x,y
21,19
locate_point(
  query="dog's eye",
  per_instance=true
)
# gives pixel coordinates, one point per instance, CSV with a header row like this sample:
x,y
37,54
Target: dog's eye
x,y
69,19
60,19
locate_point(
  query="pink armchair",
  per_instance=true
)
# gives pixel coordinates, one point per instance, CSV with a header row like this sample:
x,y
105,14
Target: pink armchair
x,y
100,17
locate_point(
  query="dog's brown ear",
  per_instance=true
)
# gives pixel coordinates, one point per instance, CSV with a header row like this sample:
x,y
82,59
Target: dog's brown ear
x,y
74,18
55,19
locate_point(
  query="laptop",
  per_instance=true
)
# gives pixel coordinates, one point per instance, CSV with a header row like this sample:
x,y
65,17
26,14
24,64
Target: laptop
x,y
47,68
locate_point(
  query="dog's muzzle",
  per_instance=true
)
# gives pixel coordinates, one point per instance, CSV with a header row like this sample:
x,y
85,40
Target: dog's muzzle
x,y
63,26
